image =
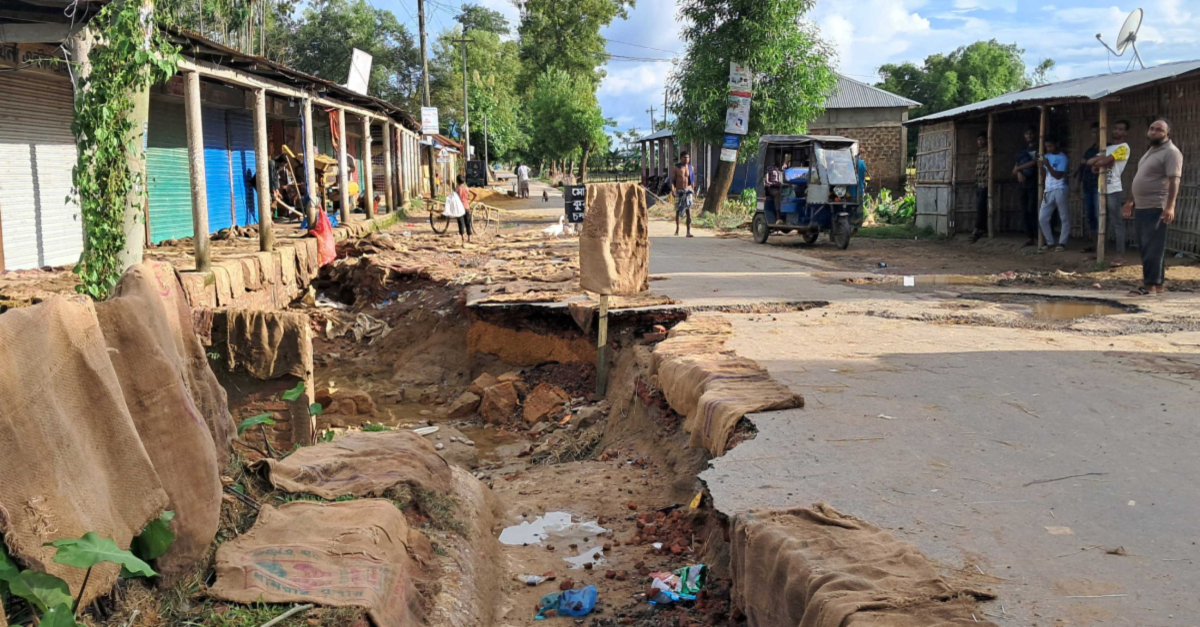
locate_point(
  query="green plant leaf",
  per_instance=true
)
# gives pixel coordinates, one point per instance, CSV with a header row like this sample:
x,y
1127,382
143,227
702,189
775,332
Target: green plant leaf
x,y
8,568
327,435
254,421
294,393
91,549
315,409
155,539
59,616
41,589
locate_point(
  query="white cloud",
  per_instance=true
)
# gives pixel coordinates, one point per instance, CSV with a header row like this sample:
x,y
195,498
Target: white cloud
x,y
866,34
644,78
1008,6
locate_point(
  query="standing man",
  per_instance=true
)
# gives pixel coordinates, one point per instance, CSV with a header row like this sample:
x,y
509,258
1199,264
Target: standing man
x,y
1089,187
1056,197
522,181
1115,158
981,187
1026,173
773,184
1155,188
683,183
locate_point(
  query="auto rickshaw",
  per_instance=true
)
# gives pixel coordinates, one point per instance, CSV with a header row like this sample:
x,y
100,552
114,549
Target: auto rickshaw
x,y
820,189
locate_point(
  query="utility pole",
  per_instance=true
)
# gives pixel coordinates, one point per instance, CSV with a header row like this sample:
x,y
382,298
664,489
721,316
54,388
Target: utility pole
x,y
425,93
651,112
487,167
466,114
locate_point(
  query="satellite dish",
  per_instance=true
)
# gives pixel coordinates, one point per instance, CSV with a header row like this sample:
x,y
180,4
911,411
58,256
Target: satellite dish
x,y
1127,37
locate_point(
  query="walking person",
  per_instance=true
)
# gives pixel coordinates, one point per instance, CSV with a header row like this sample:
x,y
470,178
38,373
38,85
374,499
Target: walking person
x,y
1089,187
1026,172
683,184
1115,158
457,203
1056,196
522,181
1155,189
982,181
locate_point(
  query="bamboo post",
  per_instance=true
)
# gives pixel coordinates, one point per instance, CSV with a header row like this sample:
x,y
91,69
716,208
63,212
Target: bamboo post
x,y
310,166
1041,173
266,238
343,175
1102,194
388,173
602,349
195,141
991,203
368,174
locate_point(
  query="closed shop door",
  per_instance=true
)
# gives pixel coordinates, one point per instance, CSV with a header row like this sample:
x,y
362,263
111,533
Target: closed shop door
x,y
217,170
241,152
167,172
40,227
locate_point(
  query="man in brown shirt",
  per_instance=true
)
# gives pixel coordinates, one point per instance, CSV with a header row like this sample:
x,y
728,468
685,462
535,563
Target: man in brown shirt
x,y
1155,188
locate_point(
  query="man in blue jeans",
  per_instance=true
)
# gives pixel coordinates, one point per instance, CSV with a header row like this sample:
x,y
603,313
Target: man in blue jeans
x,y
1056,196
1155,189
1089,188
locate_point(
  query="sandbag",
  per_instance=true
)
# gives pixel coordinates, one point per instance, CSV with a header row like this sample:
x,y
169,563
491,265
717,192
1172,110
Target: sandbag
x,y
71,460
360,464
354,553
614,247
268,344
818,567
151,361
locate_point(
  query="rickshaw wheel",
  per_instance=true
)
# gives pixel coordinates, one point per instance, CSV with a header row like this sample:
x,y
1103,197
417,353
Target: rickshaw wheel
x,y
840,235
439,222
810,237
759,228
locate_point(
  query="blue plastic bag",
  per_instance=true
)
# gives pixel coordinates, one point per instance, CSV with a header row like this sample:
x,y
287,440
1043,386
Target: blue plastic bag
x,y
578,602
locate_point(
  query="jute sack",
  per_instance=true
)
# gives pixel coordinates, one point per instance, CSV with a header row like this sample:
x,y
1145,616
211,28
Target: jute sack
x,y
614,248
151,361
817,567
360,464
71,459
354,553
268,344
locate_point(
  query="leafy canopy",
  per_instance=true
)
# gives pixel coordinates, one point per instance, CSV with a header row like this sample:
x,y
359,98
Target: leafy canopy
x,y
478,18
558,35
566,113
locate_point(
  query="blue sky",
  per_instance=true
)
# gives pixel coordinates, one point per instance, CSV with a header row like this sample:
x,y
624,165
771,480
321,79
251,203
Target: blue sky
x,y
870,33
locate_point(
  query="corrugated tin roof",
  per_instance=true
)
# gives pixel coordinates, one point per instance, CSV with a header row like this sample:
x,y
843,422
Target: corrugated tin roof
x,y
1087,88
666,132
851,94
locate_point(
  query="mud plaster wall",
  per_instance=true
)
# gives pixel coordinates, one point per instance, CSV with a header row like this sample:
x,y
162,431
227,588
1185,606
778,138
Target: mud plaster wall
x,y
520,347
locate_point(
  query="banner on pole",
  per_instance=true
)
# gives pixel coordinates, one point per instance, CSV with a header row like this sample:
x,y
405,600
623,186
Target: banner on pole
x,y
429,120
740,82
728,154
737,117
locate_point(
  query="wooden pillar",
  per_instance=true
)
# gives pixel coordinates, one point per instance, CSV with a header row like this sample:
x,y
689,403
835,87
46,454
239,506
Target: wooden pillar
x,y
1102,199
1041,171
343,175
310,167
642,162
389,174
368,173
195,140
991,188
266,237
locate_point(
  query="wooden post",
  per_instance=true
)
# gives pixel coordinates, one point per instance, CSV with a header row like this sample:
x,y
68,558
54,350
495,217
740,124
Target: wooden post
x,y
195,140
602,349
1041,173
368,173
388,173
310,166
343,175
643,161
991,177
266,238
1102,193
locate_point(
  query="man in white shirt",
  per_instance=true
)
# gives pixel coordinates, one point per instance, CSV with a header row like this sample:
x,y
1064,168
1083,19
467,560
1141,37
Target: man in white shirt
x,y
1115,158
522,181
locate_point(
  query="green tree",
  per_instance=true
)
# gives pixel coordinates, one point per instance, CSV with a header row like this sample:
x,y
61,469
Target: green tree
x,y
558,35
568,120
477,18
790,64
982,70
331,29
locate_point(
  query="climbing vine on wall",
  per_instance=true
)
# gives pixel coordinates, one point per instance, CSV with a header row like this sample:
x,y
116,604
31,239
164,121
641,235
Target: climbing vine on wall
x,y
129,55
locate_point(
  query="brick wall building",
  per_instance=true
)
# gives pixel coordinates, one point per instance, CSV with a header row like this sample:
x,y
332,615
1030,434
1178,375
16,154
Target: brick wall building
x,y
876,119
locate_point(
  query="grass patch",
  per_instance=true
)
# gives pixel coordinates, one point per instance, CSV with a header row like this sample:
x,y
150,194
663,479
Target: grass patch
x,y
896,231
439,511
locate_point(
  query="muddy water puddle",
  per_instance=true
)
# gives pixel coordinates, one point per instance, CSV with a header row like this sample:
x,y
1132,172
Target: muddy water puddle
x,y
1071,310
551,526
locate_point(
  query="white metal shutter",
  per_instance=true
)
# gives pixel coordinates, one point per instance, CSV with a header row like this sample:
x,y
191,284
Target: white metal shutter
x,y
37,153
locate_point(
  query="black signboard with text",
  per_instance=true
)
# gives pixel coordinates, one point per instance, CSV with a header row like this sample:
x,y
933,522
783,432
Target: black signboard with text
x,y
476,173
576,202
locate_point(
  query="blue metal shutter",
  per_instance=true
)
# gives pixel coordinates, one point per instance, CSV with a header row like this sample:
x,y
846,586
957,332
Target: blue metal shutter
x,y
216,170
241,149
168,176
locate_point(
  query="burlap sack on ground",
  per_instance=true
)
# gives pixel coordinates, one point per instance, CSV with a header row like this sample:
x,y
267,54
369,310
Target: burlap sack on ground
x,y
710,385
820,568
151,361
71,460
360,464
268,344
355,553
614,248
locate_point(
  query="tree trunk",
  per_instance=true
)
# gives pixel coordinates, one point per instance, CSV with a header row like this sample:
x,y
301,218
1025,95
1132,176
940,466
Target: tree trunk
x,y
718,189
583,167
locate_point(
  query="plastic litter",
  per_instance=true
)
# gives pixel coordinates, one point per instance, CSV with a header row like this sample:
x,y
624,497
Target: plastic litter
x,y
529,580
681,585
569,603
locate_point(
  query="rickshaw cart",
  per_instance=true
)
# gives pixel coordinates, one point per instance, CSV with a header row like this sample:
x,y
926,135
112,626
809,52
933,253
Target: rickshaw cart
x,y
819,192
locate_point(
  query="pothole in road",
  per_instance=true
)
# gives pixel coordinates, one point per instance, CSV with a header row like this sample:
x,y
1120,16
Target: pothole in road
x,y
1056,308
